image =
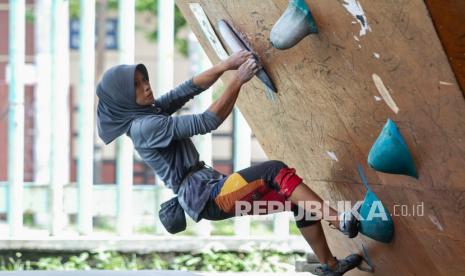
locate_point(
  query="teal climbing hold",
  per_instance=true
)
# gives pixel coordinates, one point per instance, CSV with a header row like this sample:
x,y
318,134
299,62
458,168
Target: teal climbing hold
x,y
302,6
390,154
294,24
376,222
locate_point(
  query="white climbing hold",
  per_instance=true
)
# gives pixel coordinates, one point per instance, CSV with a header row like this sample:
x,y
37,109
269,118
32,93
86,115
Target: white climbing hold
x,y
384,92
332,155
445,83
435,221
354,8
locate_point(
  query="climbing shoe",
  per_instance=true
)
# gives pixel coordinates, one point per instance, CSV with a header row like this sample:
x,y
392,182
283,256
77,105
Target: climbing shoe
x,y
348,224
342,266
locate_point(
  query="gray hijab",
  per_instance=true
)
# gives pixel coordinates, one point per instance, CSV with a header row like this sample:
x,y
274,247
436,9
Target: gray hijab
x,y
117,106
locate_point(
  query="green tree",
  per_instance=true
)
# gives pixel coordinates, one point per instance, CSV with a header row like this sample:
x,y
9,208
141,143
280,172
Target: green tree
x,y
145,6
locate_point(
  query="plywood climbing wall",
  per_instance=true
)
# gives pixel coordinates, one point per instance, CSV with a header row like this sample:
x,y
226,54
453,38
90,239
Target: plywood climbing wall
x,y
329,111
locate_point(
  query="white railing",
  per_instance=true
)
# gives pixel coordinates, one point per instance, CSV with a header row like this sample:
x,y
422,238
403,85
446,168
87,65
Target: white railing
x,y
105,205
57,200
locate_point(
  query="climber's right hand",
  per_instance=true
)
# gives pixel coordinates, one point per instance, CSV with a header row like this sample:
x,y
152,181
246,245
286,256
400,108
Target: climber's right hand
x,y
236,60
247,70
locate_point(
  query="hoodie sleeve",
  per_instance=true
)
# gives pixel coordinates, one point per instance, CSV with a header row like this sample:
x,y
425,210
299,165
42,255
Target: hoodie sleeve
x,y
158,131
176,98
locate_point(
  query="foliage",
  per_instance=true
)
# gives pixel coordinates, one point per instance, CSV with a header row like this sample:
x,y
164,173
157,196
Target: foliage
x,y
218,90
293,230
213,261
261,227
149,7
104,223
29,15
28,218
223,228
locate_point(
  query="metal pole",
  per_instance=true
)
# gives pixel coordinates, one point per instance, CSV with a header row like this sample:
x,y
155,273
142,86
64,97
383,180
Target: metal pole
x,y
281,224
124,147
42,115
85,165
101,32
241,158
164,76
60,151
199,62
165,45
16,49
42,99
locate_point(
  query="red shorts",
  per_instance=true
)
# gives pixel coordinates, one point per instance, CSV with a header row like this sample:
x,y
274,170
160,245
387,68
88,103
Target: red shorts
x,y
270,184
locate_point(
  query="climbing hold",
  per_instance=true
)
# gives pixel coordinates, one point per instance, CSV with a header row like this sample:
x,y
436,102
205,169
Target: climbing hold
x,y
390,153
236,42
378,228
294,24
375,222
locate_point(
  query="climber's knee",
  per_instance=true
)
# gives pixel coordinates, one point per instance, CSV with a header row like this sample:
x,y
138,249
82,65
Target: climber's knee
x,y
303,218
306,222
286,181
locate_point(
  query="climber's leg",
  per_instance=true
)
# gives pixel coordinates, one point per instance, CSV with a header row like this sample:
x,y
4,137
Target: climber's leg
x,y
315,237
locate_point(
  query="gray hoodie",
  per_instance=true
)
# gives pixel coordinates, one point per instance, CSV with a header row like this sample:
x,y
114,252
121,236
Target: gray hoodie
x,y
162,140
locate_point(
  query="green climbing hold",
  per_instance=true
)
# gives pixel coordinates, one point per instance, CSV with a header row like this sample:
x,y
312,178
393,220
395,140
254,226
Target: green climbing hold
x,y
390,154
302,6
294,24
375,222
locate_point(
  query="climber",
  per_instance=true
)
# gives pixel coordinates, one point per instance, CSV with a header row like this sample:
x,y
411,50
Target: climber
x,y
127,106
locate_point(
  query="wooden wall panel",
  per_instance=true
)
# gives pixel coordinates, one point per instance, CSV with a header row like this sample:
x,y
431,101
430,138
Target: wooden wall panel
x,y
328,102
449,20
